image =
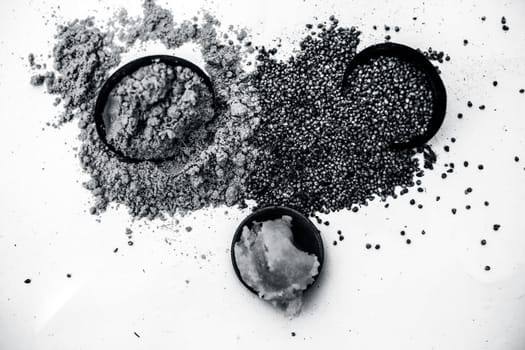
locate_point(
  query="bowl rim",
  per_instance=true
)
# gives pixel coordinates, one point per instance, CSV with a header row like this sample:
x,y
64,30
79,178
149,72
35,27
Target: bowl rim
x,y
286,211
407,54
126,70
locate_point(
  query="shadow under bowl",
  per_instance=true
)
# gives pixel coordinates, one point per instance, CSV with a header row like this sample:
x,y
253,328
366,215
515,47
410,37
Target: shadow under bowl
x,y
306,236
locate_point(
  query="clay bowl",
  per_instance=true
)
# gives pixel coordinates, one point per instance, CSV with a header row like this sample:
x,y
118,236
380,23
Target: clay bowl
x,y
305,235
410,55
126,70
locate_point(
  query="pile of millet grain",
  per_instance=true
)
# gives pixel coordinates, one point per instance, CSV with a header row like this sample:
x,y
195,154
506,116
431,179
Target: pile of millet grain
x,y
324,148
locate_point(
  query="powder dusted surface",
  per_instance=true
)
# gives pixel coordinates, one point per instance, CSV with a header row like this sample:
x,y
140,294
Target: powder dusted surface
x,y
270,263
83,55
212,170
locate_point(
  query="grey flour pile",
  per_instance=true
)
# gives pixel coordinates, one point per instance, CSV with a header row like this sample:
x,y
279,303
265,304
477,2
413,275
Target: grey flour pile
x,y
83,57
283,134
158,112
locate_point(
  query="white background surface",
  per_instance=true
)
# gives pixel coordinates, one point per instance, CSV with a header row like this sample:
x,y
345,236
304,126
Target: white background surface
x,y
432,294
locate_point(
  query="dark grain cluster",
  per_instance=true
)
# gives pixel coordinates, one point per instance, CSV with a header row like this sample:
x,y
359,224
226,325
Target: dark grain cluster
x,y
327,149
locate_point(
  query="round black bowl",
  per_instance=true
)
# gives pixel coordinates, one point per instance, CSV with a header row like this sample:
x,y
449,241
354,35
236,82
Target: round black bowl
x,y
410,55
305,235
126,70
